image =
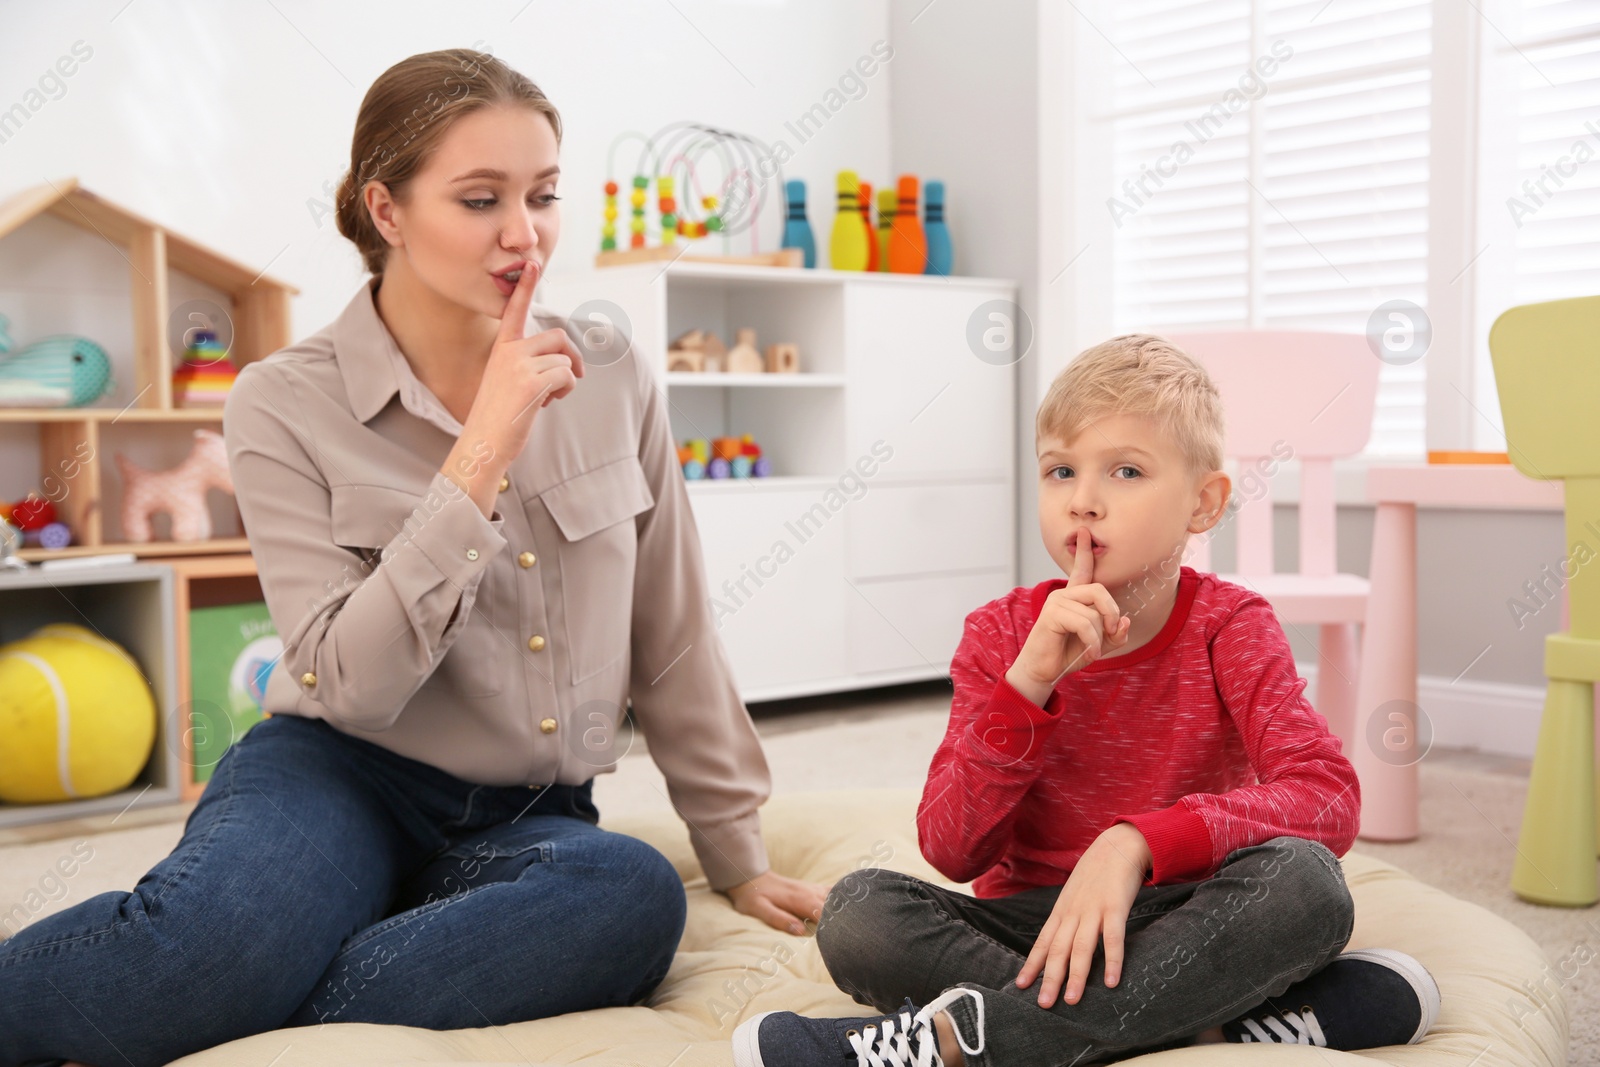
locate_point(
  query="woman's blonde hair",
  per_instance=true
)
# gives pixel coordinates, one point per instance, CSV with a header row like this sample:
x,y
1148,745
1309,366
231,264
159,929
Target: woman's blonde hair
x,y
1138,374
402,119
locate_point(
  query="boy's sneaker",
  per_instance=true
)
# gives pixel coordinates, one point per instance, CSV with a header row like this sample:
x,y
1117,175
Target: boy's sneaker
x,y
903,1039
1365,998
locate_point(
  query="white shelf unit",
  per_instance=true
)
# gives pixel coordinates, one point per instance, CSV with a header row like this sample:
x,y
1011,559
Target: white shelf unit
x,y
826,577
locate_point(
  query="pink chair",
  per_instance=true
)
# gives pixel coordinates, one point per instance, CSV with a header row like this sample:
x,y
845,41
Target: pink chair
x,y
1308,396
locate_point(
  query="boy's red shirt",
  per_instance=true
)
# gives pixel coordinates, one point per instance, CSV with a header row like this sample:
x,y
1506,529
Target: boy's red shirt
x,y
1202,738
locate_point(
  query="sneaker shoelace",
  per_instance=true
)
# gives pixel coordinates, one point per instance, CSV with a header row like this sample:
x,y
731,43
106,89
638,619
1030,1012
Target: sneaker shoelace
x,y
891,1044
1307,1031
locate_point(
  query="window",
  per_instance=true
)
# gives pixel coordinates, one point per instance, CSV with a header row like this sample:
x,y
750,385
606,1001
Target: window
x,y
1539,206
1271,171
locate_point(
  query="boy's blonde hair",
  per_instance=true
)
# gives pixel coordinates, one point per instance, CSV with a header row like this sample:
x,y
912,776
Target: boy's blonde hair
x,y
1139,374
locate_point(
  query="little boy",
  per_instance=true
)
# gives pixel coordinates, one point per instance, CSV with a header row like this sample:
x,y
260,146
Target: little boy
x,y
1130,759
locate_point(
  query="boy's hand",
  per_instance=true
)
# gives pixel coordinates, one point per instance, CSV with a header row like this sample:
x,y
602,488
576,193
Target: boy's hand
x,y
1097,897
1078,624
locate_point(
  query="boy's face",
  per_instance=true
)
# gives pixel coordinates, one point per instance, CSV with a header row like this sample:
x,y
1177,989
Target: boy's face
x,y
1126,481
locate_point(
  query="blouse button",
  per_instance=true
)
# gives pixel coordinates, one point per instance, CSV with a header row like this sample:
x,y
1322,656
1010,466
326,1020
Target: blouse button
x,y
505,483
308,679
536,642
527,559
472,553
547,726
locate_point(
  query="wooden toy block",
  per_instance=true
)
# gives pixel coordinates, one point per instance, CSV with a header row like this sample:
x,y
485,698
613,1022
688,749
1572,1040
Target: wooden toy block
x,y
686,359
783,358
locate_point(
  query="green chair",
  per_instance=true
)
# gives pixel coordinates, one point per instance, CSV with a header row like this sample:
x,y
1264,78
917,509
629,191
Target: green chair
x,y
1547,367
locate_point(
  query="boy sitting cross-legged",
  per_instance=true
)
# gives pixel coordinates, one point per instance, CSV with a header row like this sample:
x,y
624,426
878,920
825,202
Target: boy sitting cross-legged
x,y
1130,762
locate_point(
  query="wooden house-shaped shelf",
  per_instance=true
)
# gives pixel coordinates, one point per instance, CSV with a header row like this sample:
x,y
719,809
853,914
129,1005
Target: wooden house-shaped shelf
x,y
261,326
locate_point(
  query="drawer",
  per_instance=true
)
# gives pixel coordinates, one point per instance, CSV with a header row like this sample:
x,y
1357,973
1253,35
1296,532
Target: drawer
x,y
902,530
903,623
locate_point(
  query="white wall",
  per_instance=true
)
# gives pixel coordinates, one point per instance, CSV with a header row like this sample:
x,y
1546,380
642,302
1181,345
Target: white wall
x,y
224,123
229,123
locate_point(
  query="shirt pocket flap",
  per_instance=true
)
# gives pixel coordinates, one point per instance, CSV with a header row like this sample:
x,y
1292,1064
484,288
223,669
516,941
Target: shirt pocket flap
x,y
591,501
370,516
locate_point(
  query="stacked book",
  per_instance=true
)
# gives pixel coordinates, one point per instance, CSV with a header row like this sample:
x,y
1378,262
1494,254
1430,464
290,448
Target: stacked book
x,y
205,375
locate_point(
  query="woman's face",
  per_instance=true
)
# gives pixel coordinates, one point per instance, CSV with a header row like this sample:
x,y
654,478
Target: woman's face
x,y
484,200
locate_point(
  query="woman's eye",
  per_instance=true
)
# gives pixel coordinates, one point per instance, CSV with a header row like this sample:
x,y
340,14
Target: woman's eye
x,y
478,205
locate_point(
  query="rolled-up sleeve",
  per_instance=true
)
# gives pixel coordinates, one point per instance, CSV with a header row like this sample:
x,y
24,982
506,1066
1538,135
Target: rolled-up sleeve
x,y
683,693
360,637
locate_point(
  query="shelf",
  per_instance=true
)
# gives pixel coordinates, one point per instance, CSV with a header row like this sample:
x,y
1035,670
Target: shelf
x,y
151,548
684,268
799,380
775,483
108,415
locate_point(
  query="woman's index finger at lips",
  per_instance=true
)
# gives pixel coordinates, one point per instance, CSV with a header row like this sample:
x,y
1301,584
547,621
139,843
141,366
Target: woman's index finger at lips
x,y
514,322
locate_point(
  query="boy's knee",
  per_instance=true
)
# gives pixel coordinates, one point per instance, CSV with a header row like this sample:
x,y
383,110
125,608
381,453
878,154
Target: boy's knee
x,y
855,910
1311,881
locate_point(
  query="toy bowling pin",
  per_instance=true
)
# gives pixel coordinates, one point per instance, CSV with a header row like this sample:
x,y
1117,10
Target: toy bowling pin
x,y
908,248
847,247
938,234
796,228
865,198
885,223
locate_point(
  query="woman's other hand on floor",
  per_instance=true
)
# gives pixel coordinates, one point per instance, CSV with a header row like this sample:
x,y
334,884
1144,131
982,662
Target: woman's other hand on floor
x,y
782,903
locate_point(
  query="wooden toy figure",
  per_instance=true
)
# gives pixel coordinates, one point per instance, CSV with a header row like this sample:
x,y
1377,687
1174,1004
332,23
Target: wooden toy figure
x,y
743,358
908,247
865,199
885,224
939,250
796,228
847,248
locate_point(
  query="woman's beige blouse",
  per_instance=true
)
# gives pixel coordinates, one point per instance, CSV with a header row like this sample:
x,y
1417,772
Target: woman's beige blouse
x,y
502,650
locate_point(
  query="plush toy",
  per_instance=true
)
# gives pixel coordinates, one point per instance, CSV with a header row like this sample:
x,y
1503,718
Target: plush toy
x,y
180,492
53,372
77,718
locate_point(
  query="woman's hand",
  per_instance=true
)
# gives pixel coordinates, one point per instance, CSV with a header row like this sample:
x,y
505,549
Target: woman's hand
x,y
523,375
1097,897
782,903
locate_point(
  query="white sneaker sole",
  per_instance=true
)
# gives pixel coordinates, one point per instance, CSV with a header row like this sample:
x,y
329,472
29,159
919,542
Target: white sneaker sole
x,y
1407,967
747,1042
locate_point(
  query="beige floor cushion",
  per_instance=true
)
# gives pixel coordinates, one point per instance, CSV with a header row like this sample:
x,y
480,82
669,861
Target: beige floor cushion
x,y
730,967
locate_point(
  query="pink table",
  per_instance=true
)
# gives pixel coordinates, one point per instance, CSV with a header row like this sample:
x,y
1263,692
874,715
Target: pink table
x,y
1388,768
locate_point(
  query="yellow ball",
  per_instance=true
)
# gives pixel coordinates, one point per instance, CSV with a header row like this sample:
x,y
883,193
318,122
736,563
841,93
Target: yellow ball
x,y
77,717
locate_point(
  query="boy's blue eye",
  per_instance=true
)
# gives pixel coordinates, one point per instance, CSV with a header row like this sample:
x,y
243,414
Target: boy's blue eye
x,y
1125,467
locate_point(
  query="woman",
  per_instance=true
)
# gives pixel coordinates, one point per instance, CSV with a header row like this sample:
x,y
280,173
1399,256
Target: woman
x,y
474,537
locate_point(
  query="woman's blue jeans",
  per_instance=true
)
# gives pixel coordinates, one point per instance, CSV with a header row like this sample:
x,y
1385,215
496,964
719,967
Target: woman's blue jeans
x,y
324,879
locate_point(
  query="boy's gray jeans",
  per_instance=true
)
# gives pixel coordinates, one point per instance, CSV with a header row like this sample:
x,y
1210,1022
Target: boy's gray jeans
x,y
1196,954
